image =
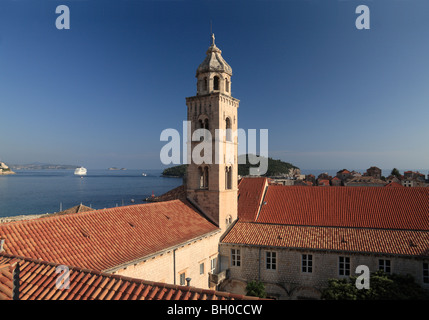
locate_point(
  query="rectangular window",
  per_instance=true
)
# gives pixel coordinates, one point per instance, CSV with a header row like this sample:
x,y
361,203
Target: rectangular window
x,y
213,264
202,268
271,260
307,263
344,266
235,257
384,265
182,279
425,272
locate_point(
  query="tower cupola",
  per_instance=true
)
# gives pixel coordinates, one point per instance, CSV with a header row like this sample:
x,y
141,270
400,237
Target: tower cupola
x,y
214,73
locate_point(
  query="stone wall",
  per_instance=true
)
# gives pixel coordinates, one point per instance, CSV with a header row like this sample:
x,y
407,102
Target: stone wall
x,y
167,266
288,281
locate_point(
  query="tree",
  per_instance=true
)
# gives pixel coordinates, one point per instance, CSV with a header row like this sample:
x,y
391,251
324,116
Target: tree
x,y
256,289
382,287
275,168
176,171
395,172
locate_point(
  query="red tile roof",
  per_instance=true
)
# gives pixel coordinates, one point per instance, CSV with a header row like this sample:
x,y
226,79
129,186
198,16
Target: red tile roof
x,y
360,207
394,184
102,239
6,281
178,193
344,171
37,281
250,193
323,182
400,242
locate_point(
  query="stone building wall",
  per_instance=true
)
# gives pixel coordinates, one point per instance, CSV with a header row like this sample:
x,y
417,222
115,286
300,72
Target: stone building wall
x,y
184,258
288,281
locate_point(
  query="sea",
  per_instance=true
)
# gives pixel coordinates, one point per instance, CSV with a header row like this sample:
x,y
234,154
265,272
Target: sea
x,y
30,192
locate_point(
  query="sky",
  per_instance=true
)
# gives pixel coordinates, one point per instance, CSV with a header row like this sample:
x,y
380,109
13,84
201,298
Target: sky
x,y
100,93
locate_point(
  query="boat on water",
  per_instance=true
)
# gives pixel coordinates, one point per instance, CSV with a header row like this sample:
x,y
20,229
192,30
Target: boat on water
x,y
144,174
80,171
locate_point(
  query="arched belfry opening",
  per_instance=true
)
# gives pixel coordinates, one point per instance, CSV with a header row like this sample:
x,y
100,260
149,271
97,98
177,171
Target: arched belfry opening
x,y
216,83
228,178
203,177
228,128
204,124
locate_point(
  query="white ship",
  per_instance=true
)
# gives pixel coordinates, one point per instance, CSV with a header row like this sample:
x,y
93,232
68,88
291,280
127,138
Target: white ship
x,y
80,171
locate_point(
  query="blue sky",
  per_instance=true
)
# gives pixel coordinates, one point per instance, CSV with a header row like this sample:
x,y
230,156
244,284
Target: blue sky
x,y
100,94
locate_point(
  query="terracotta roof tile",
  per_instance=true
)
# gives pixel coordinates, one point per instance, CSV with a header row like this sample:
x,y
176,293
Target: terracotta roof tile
x,y
394,184
87,285
250,193
399,242
360,207
178,193
103,239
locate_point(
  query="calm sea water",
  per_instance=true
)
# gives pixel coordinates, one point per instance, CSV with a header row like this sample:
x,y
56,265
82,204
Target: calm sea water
x,y
46,191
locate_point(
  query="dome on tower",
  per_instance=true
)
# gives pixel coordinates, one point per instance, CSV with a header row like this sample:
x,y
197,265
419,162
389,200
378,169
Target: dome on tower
x,y
214,61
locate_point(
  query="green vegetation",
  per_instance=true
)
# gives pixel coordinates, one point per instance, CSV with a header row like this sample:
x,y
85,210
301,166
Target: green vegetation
x,y
177,171
382,286
395,172
256,289
275,168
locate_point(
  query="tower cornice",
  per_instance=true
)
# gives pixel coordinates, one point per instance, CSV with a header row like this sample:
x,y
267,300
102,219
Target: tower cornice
x,y
212,95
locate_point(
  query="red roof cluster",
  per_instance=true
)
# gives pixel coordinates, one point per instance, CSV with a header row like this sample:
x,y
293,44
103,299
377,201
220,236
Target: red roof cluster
x,y
394,184
359,207
30,279
367,219
323,182
102,239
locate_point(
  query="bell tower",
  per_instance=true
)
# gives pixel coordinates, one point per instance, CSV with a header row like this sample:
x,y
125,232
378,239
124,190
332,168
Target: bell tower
x,y
212,183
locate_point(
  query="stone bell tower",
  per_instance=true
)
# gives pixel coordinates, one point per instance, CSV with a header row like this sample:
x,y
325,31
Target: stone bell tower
x,y
212,183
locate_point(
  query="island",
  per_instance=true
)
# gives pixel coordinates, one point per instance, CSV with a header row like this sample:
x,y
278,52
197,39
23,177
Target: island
x,y
276,168
43,166
4,169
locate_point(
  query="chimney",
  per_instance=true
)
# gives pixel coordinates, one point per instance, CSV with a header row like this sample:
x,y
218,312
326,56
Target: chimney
x,y
188,281
2,240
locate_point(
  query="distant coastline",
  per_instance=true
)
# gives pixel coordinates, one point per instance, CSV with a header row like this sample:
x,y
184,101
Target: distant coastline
x,y
43,166
3,173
